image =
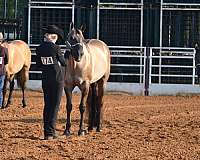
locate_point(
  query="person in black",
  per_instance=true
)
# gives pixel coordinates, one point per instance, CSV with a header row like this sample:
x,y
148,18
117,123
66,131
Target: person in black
x,y
197,62
50,60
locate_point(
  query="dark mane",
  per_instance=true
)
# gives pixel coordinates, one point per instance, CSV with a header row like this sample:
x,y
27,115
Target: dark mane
x,y
67,54
86,40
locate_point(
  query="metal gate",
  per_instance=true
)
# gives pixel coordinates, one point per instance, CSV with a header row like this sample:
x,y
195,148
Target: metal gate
x,y
172,71
122,17
149,71
137,67
172,65
41,13
179,23
127,70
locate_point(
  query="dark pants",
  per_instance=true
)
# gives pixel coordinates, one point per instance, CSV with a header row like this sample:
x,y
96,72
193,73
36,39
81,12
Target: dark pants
x,y
52,97
2,77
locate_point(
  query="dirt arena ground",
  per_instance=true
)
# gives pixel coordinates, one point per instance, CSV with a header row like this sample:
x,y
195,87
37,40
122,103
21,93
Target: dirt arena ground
x,y
135,128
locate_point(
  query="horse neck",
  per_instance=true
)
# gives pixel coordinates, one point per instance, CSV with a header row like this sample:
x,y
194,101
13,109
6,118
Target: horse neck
x,y
85,59
70,62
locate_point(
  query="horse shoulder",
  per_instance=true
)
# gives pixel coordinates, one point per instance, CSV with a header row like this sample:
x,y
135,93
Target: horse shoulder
x,y
98,49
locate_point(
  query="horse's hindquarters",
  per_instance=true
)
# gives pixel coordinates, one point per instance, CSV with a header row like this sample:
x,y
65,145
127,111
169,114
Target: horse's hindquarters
x,y
19,55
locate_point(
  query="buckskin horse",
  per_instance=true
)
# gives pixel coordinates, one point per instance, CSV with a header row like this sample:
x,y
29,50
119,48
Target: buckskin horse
x,y
88,67
19,61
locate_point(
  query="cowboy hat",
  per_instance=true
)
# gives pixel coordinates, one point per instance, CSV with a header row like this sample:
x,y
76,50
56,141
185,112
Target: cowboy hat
x,y
54,30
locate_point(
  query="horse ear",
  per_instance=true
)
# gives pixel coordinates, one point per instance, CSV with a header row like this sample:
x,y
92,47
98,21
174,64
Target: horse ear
x,y
71,26
78,31
83,27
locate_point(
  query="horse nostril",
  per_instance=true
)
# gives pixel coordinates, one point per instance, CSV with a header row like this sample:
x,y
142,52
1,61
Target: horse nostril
x,y
79,59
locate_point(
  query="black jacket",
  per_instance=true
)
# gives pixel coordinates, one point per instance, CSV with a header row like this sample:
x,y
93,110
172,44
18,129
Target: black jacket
x,y
49,59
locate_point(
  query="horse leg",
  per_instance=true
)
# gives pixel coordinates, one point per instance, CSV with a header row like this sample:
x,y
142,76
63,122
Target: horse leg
x,y
23,98
22,77
82,106
99,115
69,109
4,91
12,84
92,106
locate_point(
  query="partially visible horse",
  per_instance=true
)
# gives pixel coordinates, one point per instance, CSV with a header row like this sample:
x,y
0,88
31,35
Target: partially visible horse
x,y
19,61
88,67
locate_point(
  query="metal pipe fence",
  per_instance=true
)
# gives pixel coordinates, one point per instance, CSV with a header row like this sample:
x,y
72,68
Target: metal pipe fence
x,y
172,65
122,26
122,17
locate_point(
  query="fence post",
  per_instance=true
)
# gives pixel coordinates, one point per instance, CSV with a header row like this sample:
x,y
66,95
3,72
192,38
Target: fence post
x,y
146,73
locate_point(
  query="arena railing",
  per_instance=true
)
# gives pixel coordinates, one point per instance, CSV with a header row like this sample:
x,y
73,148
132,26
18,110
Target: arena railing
x,y
146,70
172,65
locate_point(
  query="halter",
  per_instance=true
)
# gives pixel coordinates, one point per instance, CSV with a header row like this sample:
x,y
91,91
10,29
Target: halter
x,y
71,46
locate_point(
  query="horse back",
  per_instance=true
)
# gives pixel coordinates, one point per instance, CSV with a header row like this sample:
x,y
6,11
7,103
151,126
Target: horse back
x,y
19,56
100,59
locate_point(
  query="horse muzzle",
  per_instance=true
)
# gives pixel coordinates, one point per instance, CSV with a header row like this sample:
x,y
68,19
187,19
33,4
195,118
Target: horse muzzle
x,y
78,59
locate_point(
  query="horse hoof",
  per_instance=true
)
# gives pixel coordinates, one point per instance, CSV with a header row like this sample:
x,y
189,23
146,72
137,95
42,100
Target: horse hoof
x,y
4,107
90,129
82,132
67,133
23,104
7,105
98,130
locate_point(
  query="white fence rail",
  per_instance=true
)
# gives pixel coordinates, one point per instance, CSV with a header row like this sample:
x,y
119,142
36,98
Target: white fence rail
x,y
167,62
148,71
172,71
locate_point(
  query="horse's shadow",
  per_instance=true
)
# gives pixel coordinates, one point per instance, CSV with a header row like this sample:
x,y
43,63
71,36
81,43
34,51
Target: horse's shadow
x,y
40,121
31,137
24,120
